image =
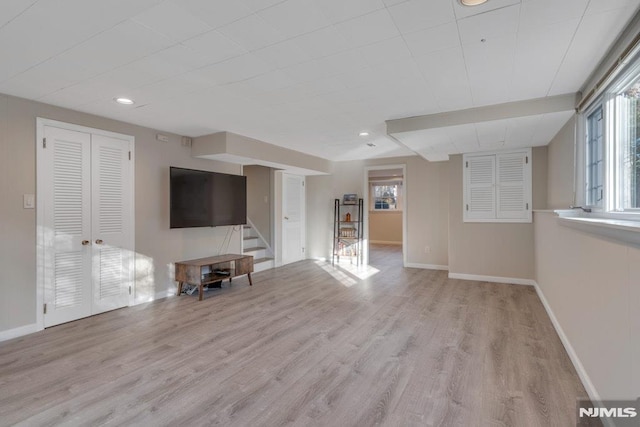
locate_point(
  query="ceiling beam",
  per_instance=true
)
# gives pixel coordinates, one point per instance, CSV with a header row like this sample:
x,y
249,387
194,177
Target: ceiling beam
x,y
508,110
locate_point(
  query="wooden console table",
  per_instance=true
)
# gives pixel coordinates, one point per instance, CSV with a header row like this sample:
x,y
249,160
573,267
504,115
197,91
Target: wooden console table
x,y
204,271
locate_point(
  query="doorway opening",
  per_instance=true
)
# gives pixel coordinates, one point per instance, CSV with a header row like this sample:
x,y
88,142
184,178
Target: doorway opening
x,y
385,214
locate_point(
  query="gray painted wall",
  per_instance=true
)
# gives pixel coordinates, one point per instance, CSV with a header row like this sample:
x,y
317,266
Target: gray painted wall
x,y
156,245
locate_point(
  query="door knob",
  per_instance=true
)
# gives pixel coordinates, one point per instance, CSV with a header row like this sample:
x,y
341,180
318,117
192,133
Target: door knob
x,y
286,217
85,242
98,241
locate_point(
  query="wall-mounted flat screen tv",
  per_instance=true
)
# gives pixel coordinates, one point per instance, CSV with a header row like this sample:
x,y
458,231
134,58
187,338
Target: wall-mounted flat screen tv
x,y
206,199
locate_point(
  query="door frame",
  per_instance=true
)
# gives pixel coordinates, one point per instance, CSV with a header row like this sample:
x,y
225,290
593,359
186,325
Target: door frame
x,y
40,234
405,208
278,217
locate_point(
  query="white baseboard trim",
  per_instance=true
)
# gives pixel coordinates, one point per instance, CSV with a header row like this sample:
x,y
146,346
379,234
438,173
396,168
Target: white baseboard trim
x,y
18,332
165,294
385,242
582,373
427,266
495,279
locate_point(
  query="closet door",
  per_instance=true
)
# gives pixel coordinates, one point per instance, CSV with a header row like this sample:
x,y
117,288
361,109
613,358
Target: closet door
x,y
66,227
111,223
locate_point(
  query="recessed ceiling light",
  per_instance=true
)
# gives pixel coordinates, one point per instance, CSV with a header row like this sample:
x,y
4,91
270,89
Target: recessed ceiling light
x,y
363,134
124,101
472,2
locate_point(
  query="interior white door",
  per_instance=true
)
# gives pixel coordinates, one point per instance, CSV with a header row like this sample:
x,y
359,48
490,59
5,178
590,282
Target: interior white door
x,y
293,221
111,225
85,225
67,224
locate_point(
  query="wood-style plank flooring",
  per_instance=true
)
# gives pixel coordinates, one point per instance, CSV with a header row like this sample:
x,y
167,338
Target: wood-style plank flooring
x,y
308,345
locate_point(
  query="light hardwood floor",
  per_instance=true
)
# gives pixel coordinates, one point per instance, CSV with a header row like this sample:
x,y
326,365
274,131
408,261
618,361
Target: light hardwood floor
x,y
308,344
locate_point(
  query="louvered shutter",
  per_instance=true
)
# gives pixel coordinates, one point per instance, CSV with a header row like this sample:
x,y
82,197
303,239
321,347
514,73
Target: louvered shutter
x,y
479,177
513,186
67,201
497,187
110,169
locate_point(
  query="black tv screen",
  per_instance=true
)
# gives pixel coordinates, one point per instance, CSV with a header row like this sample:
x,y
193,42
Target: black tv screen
x,y
206,199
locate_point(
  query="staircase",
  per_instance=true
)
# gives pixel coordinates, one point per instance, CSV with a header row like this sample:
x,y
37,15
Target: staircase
x,y
254,244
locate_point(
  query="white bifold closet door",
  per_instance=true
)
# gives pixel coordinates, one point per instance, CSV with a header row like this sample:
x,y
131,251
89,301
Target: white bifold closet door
x,y
87,218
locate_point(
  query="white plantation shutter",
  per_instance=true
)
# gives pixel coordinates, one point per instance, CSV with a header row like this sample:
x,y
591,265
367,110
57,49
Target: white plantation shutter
x,y
497,187
514,186
481,190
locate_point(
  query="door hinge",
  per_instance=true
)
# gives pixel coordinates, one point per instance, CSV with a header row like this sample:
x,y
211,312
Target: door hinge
x,y
526,159
45,309
44,142
302,249
129,155
527,206
467,207
466,165
303,183
129,290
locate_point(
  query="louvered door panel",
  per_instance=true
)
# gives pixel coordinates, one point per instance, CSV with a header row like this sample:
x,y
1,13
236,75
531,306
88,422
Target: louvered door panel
x,y
479,176
67,201
111,230
512,195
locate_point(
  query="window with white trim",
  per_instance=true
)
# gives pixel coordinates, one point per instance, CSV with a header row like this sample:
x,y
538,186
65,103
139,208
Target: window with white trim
x,y
386,196
611,148
497,186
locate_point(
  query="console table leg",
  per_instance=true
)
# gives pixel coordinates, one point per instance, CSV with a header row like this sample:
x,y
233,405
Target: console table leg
x,y
249,276
200,292
179,288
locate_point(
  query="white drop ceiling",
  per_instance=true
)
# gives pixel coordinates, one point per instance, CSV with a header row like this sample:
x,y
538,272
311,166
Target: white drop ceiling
x,y
309,74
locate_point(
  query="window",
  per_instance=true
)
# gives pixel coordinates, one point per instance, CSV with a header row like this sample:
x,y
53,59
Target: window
x,y
612,147
497,186
386,196
595,158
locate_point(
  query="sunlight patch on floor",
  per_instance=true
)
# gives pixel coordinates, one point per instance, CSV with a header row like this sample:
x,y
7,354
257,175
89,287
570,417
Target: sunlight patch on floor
x,y
347,274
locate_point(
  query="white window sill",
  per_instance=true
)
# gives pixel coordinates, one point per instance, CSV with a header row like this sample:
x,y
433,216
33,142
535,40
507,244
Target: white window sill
x,y
621,230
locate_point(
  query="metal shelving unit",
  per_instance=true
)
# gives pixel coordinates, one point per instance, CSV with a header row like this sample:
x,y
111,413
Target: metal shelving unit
x,y
348,234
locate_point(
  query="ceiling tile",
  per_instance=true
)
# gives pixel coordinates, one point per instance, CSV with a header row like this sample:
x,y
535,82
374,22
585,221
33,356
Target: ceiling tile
x,y
9,9
234,70
323,42
491,134
117,46
216,13
414,15
497,23
283,54
446,72
341,10
426,41
173,21
466,11
489,67
367,29
520,131
295,17
256,5
599,6
252,33
389,50
215,46
545,12
532,77
591,41
270,81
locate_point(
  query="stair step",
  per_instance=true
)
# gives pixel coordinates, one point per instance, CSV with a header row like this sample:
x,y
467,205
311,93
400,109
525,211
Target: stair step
x,y
259,260
249,238
257,248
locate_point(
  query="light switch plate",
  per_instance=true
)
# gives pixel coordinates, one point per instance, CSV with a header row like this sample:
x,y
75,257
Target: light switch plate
x,y
29,201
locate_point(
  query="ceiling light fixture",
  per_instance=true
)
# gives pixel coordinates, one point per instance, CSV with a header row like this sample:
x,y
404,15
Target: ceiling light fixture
x,y
472,2
124,101
363,134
